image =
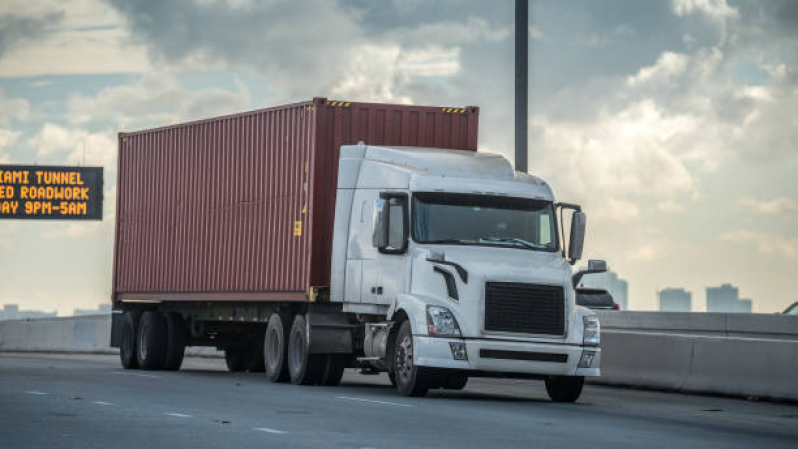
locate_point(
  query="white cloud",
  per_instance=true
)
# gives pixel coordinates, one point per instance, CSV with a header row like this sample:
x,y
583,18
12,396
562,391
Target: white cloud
x,y
13,108
644,253
379,72
55,144
671,207
775,206
766,244
714,9
631,151
90,37
7,138
154,100
668,66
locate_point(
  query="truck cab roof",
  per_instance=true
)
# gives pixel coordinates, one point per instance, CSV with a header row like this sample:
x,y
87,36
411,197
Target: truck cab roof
x,y
436,169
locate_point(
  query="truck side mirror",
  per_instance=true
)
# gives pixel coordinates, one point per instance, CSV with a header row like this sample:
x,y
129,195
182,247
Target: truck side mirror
x,y
380,237
593,266
577,241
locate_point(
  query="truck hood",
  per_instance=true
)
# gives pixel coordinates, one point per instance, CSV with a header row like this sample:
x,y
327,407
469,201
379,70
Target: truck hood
x,y
487,264
509,264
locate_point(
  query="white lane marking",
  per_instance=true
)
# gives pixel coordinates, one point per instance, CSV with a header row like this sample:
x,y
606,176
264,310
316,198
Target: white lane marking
x,y
178,415
39,393
374,401
102,403
268,430
136,374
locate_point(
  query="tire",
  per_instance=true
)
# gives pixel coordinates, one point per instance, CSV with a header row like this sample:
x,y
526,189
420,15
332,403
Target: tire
x,y
176,341
564,388
152,341
392,378
454,381
256,362
127,347
303,368
334,366
236,359
411,380
275,347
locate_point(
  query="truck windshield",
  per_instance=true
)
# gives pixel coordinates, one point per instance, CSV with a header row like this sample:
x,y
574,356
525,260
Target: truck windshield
x,y
469,219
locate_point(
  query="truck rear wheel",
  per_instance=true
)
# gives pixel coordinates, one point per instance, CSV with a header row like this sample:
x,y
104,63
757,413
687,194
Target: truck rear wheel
x,y
275,347
151,345
176,341
564,388
303,367
127,347
411,380
236,359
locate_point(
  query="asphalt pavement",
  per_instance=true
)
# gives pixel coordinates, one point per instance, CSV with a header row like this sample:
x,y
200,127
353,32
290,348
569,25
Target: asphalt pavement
x,y
87,401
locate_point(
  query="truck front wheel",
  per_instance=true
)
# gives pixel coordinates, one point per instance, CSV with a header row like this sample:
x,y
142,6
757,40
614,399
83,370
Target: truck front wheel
x,y
411,380
127,347
275,346
564,388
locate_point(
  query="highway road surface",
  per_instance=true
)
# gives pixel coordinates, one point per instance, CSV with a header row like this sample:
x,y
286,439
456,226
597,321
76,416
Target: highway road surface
x,y
88,401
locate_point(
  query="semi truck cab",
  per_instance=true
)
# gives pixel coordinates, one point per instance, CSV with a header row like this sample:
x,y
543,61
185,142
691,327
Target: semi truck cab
x,y
457,265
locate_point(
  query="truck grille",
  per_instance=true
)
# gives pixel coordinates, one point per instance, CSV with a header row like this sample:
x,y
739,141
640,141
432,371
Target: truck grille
x,y
524,308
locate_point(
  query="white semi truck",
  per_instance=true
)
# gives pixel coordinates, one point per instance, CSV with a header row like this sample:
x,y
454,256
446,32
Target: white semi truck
x,y
444,264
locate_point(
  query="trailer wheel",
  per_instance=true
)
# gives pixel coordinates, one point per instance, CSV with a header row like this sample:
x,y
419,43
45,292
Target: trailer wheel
x,y
151,347
411,380
334,366
127,347
256,362
303,367
236,359
275,347
564,388
176,341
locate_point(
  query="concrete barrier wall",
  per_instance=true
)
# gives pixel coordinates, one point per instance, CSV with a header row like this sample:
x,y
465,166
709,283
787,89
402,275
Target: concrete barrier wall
x,y
86,334
730,354
750,355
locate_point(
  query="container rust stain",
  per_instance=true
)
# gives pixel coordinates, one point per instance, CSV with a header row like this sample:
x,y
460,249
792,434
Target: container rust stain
x,y
242,206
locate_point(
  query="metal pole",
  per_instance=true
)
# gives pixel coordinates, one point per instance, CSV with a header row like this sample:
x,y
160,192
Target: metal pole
x,y
521,81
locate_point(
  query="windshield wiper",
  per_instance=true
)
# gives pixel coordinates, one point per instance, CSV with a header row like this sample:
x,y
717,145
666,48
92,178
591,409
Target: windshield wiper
x,y
521,242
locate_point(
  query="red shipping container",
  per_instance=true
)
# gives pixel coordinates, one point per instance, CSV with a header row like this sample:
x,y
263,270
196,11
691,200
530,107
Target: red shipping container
x,y
241,207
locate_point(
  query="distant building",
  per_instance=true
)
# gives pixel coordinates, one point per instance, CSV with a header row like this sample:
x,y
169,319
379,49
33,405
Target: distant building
x,y
618,288
102,309
675,300
12,312
726,299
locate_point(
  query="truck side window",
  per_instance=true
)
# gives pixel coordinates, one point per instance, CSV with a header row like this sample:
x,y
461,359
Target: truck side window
x,y
397,225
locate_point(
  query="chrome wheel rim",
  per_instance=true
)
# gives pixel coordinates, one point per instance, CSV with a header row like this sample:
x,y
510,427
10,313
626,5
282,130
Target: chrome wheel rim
x,y
404,359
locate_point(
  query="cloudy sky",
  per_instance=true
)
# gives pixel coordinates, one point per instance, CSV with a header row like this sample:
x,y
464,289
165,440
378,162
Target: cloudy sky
x,y
673,122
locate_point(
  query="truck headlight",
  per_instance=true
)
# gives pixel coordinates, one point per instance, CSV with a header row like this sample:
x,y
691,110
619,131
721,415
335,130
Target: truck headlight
x,y
591,334
441,322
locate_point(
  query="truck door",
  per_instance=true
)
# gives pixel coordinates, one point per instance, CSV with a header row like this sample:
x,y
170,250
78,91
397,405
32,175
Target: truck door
x,y
384,275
